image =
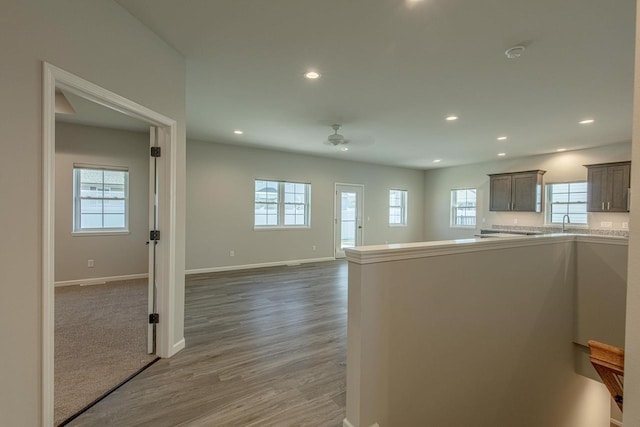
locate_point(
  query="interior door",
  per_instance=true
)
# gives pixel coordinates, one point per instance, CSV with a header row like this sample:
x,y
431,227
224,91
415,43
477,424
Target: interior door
x,y
153,242
348,217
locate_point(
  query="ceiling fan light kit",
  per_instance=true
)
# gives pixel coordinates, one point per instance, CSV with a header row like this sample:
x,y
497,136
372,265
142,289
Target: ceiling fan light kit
x,y
336,139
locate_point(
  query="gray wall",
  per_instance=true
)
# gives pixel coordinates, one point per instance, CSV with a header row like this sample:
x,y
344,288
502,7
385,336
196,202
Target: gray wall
x,y
102,43
113,255
470,337
601,291
220,199
566,166
632,342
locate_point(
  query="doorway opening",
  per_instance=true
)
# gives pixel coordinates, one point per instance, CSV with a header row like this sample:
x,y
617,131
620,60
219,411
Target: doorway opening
x,y
160,284
348,217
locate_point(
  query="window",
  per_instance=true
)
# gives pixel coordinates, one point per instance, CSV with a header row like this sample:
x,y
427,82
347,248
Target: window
x,y
281,204
398,207
463,207
567,198
100,199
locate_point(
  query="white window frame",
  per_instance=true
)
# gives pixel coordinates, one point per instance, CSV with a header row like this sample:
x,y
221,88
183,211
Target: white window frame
x,y
404,200
548,205
77,226
281,206
453,206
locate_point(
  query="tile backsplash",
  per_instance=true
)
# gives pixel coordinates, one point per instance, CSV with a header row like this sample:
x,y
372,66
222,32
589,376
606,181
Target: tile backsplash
x,y
558,229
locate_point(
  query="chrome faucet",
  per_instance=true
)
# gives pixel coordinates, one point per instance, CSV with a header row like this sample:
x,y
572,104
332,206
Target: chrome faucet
x,y
563,223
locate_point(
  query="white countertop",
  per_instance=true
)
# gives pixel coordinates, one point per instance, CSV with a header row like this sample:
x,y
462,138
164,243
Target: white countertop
x,y
399,251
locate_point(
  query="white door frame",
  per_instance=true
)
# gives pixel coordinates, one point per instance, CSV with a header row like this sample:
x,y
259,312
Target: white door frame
x,y
335,213
167,168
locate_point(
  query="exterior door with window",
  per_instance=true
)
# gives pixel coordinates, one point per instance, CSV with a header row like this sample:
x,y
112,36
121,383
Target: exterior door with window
x,y
348,217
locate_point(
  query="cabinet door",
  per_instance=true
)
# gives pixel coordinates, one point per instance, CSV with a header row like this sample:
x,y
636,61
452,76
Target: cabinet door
x,y
500,193
597,189
526,192
618,182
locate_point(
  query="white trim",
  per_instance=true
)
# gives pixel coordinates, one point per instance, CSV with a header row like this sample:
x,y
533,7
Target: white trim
x,y
281,227
346,423
48,249
95,233
395,252
54,77
178,346
101,280
616,422
260,265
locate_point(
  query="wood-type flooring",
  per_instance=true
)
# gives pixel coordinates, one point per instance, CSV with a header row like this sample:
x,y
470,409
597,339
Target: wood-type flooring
x,y
264,347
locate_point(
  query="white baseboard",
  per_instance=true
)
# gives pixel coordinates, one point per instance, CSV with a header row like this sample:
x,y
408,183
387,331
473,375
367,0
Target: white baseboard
x,y
260,265
101,280
346,423
177,347
616,422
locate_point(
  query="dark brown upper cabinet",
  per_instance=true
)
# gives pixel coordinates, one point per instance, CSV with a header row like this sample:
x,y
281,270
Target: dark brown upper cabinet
x,y
516,191
608,187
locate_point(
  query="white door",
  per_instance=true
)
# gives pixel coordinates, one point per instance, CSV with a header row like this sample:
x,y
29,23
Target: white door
x,y
348,217
154,140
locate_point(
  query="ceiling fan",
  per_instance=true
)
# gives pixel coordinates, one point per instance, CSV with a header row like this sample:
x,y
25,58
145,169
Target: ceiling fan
x,y
336,139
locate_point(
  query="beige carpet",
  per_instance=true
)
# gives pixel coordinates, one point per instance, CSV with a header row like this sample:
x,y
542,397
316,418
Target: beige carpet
x,y
100,340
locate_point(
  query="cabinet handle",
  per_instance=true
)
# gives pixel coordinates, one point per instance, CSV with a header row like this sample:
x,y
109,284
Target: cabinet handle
x,y
602,205
608,206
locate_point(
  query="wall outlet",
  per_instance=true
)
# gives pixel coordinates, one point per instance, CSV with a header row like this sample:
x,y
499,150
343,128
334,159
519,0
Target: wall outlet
x,y
606,224
625,225
90,263
313,248
232,253
386,242
484,220
515,220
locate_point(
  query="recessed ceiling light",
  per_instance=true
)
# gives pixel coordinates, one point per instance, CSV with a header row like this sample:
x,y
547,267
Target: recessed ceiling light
x,y
560,150
452,118
437,160
238,132
514,52
312,75
502,154
502,138
344,148
587,121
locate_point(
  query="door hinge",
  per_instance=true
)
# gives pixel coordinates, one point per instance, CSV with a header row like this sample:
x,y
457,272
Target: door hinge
x,y
155,151
154,235
154,318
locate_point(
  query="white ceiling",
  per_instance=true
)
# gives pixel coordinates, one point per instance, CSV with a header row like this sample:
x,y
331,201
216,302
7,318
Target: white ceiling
x,y
393,69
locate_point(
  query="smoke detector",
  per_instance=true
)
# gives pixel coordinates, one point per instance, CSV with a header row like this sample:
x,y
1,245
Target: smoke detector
x,y
514,52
